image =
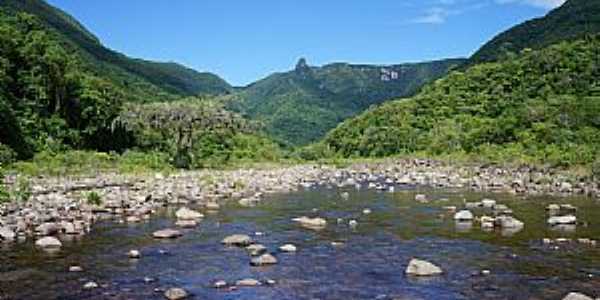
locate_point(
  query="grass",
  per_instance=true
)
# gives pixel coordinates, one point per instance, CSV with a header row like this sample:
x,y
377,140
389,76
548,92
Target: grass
x,y
93,198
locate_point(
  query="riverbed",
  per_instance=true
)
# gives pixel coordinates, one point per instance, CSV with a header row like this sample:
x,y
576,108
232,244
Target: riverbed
x,y
366,261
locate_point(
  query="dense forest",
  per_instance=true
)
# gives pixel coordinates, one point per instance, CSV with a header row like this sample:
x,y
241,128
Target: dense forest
x,y
51,103
539,105
301,106
572,20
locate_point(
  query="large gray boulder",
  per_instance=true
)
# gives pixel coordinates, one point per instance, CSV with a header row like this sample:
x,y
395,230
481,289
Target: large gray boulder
x,y
417,267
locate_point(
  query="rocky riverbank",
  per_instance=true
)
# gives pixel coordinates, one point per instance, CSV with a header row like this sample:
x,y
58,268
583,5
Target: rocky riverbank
x,y
62,206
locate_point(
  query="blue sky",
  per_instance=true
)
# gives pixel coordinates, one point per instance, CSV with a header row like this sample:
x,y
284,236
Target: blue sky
x,y
243,41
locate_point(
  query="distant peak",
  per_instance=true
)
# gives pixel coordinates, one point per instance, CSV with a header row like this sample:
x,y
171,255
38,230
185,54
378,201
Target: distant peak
x,y
302,65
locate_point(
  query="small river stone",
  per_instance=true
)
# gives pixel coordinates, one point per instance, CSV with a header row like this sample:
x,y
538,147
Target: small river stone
x,y
237,240
176,294
419,267
167,234
577,296
265,259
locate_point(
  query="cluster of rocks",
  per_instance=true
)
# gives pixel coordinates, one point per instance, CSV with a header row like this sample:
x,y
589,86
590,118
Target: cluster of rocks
x,y
495,216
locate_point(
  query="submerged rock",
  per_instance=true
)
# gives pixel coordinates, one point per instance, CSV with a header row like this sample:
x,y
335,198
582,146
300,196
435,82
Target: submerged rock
x,y
176,294
256,249
167,234
241,240
248,282
311,222
419,267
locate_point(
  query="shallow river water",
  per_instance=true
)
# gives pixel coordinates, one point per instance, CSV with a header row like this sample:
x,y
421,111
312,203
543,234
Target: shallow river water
x,y
369,265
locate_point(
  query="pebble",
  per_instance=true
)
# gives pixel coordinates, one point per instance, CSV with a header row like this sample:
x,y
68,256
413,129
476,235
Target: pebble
x,y
135,254
288,248
90,285
176,294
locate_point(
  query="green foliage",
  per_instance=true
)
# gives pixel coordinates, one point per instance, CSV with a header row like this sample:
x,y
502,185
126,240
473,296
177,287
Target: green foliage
x,y
144,80
300,106
596,170
21,191
7,155
573,20
93,198
4,195
542,106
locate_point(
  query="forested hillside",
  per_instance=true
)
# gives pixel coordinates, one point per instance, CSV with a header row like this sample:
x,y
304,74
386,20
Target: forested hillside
x,y
300,106
541,105
145,80
572,20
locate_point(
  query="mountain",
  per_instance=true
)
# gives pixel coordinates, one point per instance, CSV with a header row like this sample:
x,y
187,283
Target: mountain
x,y
572,20
147,80
300,106
542,106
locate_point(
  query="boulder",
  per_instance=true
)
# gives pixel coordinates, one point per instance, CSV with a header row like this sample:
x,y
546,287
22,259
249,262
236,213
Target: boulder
x,y
263,260
176,294
7,235
463,215
167,234
419,267
48,243
46,229
509,222
577,296
488,203
562,220
185,213
135,254
240,240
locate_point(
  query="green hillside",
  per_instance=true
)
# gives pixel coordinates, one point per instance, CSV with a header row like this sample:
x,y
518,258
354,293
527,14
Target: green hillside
x,y
572,20
145,80
541,105
300,106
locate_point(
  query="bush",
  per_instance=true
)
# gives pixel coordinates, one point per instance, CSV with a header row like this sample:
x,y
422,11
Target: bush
x,y
4,196
7,155
596,170
22,190
93,198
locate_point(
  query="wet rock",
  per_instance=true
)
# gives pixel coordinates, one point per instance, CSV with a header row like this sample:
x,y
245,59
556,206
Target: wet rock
x,y
7,235
133,219
562,220
249,282
185,213
75,269
366,211
220,284
311,222
256,249
353,223
288,248
186,223
135,254
90,285
176,294
263,260
212,206
48,243
167,234
345,196
577,296
240,240
419,267
463,216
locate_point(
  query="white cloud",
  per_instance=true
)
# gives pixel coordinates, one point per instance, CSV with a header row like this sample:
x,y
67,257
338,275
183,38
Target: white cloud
x,y
434,15
546,4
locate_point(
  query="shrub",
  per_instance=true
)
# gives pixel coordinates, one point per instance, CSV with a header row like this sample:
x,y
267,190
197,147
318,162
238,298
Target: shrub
x,y
22,190
93,198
